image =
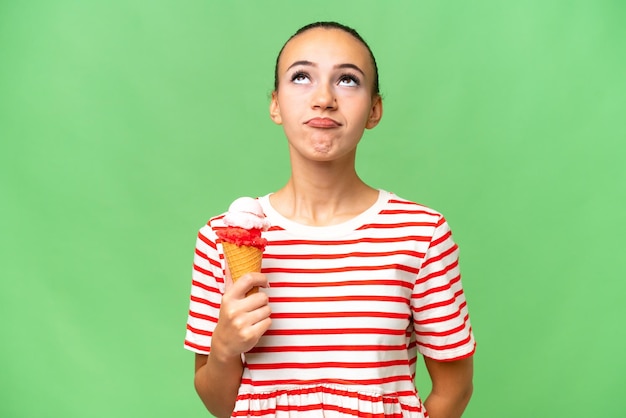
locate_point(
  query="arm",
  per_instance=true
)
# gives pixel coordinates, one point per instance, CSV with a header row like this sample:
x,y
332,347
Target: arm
x,y
219,399
452,387
242,321
443,327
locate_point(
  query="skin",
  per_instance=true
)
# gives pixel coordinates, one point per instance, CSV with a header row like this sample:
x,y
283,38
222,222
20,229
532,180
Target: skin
x,y
328,74
242,321
324,102
452,387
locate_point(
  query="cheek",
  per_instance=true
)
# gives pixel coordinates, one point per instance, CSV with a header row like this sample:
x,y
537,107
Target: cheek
x,y
359,109
292,102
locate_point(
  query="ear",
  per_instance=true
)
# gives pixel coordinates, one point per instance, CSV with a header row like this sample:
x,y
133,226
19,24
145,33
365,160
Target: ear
x,y
376,113
275,109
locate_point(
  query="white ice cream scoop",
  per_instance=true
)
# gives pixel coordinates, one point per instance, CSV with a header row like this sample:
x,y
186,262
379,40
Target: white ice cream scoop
x,y
246,213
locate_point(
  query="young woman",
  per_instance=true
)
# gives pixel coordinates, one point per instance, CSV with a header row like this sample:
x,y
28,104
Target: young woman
x,y
356,281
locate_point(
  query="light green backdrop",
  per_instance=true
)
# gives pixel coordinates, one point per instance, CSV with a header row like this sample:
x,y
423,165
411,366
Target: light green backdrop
x,y
125,124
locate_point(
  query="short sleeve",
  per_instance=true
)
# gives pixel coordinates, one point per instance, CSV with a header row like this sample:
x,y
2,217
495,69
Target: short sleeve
x,y
207,288
441,319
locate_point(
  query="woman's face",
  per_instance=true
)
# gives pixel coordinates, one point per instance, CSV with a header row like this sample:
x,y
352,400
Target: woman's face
x,y
325,97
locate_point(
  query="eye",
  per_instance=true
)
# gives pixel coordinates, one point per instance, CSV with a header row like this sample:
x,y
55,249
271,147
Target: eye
x,y
349,80
300,78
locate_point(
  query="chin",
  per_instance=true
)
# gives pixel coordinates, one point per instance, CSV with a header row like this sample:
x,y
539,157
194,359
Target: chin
x,y
322,149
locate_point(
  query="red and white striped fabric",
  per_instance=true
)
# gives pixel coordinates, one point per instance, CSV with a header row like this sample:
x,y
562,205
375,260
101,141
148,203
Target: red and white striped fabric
x,y
352,304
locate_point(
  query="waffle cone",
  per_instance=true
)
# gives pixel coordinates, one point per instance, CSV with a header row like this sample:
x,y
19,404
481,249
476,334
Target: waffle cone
x,y
242,259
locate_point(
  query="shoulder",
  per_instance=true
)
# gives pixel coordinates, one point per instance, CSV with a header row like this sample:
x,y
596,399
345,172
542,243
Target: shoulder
x,y
396,205
206,233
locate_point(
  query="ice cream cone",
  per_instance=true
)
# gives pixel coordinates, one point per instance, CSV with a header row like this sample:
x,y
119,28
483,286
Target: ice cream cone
x,y
242,259
241,237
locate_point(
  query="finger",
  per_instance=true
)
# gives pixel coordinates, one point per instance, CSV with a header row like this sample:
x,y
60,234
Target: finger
x,y
249,281
253,334
259,328
258,315
254,302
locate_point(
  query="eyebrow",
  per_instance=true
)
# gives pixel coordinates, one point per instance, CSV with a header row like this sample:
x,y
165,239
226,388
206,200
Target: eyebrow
x,y
338,66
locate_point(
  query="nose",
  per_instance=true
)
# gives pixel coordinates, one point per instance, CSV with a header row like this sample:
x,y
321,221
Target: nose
x,y
324,97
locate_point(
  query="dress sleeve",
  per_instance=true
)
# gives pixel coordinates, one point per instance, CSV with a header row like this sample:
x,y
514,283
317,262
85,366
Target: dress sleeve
x,y
207,288
441,320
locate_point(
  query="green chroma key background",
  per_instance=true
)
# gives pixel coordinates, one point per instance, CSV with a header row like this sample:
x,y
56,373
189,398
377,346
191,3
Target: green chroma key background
x,y
126,124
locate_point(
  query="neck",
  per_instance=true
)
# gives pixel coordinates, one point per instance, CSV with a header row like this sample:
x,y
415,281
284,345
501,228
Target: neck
x,y
323,193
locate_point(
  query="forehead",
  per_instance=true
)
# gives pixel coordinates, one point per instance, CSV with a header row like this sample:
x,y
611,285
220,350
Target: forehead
x,y
323,45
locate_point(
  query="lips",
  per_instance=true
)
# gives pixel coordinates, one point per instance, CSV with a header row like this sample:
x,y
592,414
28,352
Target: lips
x,y
322,123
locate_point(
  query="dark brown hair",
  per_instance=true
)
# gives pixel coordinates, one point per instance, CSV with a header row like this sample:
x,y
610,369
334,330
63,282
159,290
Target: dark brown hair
x,y
329,25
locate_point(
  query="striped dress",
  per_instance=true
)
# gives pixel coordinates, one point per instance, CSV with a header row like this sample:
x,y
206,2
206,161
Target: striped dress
x,y
352,305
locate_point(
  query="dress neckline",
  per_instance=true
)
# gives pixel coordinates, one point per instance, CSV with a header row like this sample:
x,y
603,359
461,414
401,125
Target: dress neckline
x,y
278,220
